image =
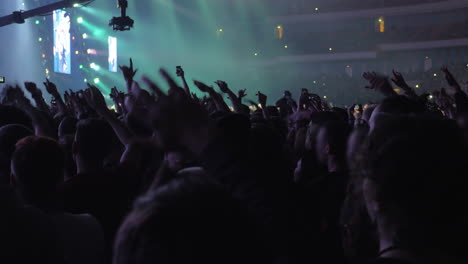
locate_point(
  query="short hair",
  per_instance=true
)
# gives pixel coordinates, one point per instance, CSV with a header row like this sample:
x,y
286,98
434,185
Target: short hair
x,y
337,133
38,165
94,138
189,220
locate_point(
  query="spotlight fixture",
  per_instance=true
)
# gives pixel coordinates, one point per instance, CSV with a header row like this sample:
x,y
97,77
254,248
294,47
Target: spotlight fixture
x,y
123,22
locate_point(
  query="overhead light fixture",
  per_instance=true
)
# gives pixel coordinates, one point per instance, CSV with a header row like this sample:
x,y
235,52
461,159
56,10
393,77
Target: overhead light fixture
x,y
123,22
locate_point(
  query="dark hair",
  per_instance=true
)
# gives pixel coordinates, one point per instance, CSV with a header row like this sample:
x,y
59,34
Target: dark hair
x,y
337,134
67,126
401,105
189,220
418,167
38,166
9,135
94,139
13,115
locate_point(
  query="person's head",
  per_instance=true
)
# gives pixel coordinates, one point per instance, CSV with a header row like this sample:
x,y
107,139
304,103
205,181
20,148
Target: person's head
x,y
415,185
340,113
93,141
366,115
331,141
395,106
9,135
355,141
266,145
189,220
316,121
37,168
272,111
66,131
13,115
67,127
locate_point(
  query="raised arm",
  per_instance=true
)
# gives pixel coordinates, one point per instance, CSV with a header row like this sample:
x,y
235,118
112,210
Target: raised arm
x,y
379,83
451,79
95,100
181,73
128,74
41,124
36,94
399,81
262,100
52,90
217,98
118,102
236,102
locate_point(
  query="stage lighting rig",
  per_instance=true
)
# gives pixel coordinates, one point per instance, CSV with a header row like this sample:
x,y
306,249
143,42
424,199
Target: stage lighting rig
x,y
123,22
19,17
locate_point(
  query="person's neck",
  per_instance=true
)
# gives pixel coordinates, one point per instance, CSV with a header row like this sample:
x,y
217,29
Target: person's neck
x,y
83,166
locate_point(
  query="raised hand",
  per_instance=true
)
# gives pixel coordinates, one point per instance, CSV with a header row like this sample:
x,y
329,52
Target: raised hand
x,y
33,90
19,98
262,99
66,97
180,72
379,83
178,120
128,71
114,93
223,86
202,86
450,78
51,88
95,99
242,93
399,80
195,98
36,94
315,102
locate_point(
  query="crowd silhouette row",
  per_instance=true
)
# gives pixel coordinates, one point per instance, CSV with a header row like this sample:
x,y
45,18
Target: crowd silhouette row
x,y
172,177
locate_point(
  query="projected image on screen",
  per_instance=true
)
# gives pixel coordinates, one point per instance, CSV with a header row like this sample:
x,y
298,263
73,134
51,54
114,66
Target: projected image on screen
x,y
112,54
62,58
